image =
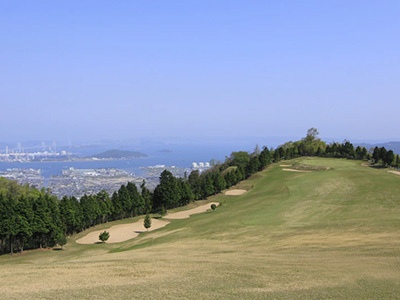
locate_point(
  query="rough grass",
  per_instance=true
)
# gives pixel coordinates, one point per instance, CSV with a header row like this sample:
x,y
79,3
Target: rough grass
x,y
315,235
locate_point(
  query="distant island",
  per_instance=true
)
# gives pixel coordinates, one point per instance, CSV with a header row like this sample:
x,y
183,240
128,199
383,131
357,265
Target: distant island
x,y
165,151
119,154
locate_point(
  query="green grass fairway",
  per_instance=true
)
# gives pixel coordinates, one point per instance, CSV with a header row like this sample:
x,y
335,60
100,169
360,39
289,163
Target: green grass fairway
x,y
326,234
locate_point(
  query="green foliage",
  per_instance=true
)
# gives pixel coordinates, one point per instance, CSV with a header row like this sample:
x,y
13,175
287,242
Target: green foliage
x,y
61,240
166,194
163,211
213,207
30,218
239,159
104,236
147,222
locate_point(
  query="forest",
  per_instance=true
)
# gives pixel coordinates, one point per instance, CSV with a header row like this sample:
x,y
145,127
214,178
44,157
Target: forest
x,y
31,218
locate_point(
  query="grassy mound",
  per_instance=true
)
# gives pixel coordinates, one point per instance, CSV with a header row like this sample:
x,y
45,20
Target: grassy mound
x,y
315,235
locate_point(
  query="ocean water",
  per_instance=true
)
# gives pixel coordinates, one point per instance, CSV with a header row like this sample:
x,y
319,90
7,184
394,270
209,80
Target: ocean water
x,y
182,155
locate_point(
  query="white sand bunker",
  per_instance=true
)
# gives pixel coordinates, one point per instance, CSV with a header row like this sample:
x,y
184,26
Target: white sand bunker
x,y
394,172
294,170
285,165
187,213
123,232
235,192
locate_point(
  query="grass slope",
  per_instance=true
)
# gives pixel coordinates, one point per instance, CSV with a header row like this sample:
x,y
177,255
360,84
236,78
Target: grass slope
x,y
327,234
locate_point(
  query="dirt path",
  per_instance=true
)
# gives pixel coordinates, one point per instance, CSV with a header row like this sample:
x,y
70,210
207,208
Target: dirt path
x,y
235,192
187,213
285,165
123,232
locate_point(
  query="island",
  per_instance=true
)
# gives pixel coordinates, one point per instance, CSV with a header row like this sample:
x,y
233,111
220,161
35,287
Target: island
x,y
119,154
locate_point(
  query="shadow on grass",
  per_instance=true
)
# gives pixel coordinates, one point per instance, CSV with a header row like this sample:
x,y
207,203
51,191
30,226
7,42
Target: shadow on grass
x,y
378,167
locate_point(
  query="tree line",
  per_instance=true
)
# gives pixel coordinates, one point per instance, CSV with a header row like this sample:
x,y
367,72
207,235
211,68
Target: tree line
x,y
31,219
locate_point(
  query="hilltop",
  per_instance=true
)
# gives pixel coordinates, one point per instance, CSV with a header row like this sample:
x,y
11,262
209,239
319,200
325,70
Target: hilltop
x,y
119,154
327,229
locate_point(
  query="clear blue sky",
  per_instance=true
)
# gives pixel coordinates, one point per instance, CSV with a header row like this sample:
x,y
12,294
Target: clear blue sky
x,y
122,69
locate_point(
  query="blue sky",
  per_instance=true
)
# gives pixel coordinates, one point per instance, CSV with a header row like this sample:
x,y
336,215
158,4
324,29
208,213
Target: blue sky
x,y
92,70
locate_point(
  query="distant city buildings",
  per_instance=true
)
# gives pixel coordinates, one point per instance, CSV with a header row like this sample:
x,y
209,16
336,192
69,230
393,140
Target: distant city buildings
x,y
201,166
31,177
14,156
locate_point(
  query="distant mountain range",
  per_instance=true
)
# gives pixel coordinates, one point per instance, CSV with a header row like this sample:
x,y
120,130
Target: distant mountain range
x,y
119,154
394,146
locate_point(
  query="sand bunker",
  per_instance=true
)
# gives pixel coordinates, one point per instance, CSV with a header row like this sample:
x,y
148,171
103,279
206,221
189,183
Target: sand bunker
x,y
394,172
235,192
294,170
285,165
187,213
123,232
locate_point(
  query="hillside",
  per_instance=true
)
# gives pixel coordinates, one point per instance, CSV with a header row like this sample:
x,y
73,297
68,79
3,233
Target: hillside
x,y
394,146
119,154
327,229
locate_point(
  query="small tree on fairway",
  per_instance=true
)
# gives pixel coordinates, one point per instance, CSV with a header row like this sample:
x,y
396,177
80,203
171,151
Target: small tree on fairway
x,y
147,222
61,240
213,207
104,236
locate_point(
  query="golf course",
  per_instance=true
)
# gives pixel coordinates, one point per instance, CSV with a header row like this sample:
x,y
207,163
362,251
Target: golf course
x,y
307,228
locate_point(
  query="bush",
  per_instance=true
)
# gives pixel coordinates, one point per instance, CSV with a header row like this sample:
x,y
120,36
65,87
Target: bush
x,y
61,240
104,236
213,207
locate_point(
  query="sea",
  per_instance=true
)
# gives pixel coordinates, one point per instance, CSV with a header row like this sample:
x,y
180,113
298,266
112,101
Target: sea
x,y
178,155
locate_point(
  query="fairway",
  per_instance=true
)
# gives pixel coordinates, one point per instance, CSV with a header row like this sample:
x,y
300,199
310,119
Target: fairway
x,y
332,233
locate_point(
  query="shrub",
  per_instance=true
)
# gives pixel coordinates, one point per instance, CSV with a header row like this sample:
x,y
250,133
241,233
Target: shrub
x,y
104,236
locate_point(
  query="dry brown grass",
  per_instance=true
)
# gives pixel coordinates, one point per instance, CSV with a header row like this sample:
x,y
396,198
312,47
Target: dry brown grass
x,y
322,235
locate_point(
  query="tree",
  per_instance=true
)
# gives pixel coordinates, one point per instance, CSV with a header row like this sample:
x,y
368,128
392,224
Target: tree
x,y
265,158
195,184
41,220
125,200
219,182
213,207
104,236
239,159
23,217
382,154
311,142
207,186
397,164
116,206
147,222
277,156
147,197
166,193
138,204
389,158
61,239
376,155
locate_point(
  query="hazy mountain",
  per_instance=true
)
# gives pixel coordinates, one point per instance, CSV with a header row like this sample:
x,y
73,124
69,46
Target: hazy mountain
x,y
395,146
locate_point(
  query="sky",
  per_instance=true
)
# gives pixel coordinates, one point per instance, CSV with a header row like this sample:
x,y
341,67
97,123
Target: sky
x,y
90,70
